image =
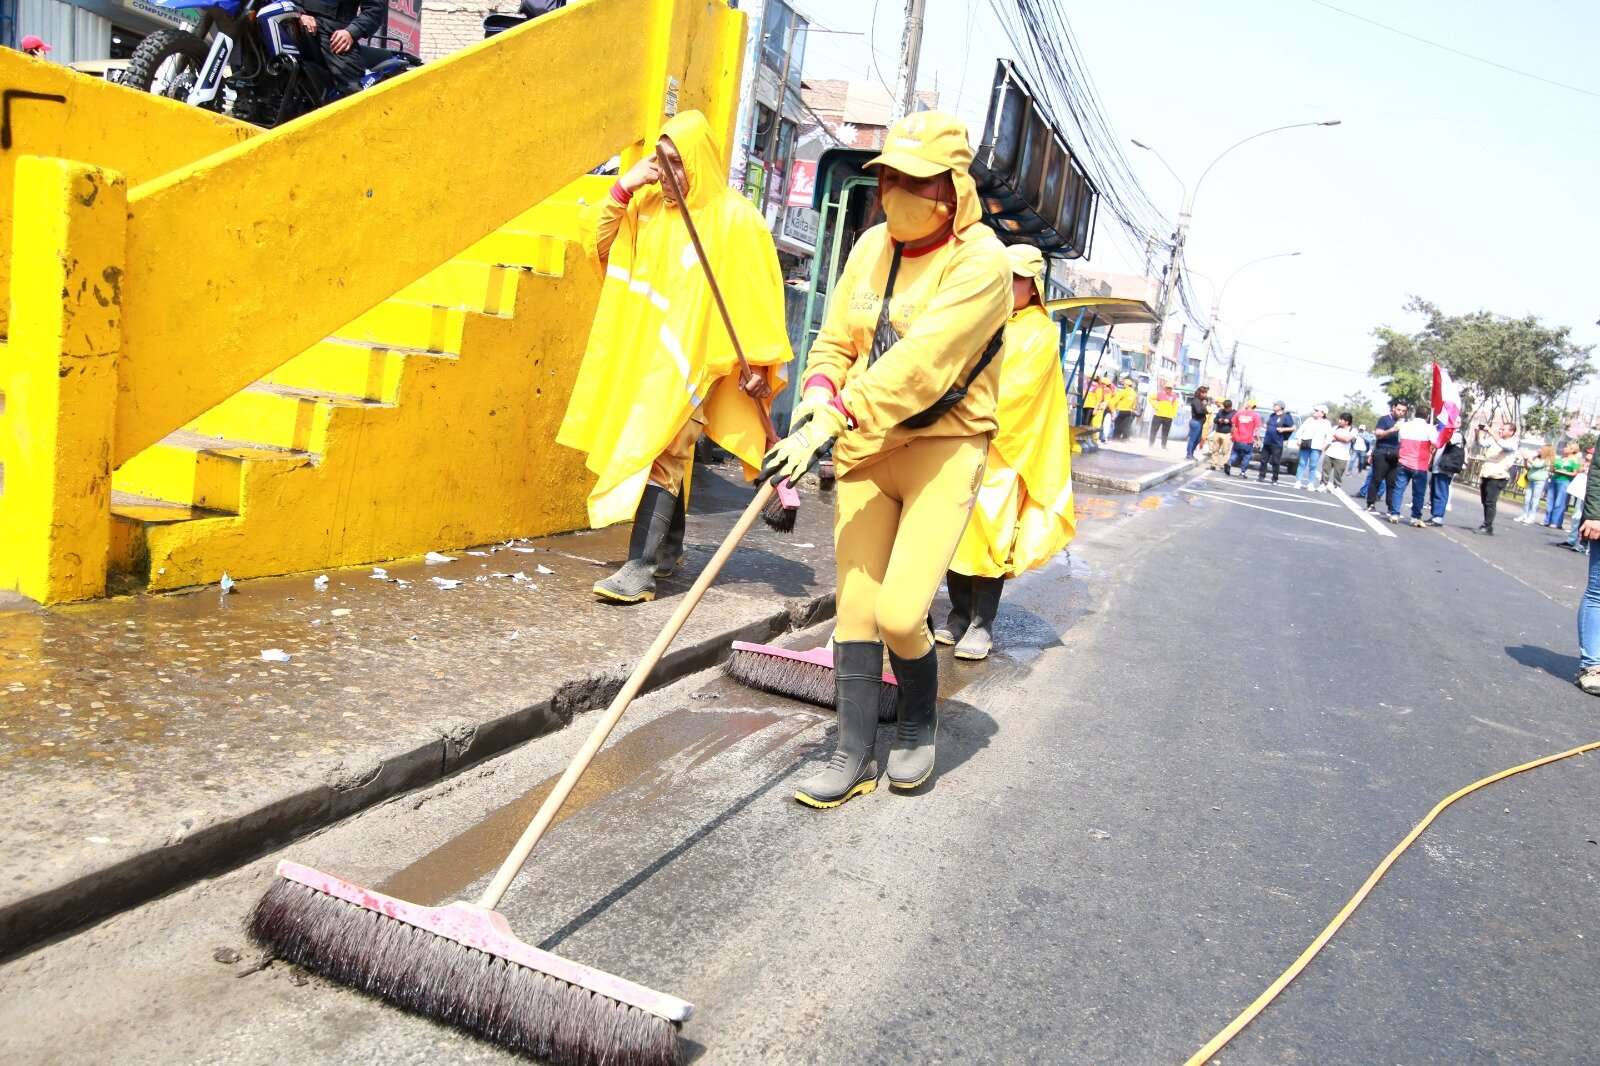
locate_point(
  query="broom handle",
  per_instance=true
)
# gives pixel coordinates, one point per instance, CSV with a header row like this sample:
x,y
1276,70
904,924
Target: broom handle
x,y
602,729
670,178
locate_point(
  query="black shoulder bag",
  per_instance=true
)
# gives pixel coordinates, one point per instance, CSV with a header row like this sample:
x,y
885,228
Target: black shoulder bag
x,y
884,337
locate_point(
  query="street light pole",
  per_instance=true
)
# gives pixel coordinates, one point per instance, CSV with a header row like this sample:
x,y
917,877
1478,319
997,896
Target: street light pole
x,y
905,85
1170,278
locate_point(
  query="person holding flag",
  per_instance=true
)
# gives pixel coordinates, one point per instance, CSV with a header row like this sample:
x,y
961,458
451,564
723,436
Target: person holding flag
x,y
1416,459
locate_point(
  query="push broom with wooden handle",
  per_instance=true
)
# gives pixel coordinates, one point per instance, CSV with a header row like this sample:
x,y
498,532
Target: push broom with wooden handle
x,y
461,963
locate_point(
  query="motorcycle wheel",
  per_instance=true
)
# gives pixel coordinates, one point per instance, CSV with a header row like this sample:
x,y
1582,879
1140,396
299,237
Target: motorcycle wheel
x,y
167,63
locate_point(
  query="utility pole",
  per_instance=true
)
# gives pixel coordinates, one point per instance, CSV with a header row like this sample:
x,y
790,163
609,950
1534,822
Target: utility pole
x,y
770,152
905,88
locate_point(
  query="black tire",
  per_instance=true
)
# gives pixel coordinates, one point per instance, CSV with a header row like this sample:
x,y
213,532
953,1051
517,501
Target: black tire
x,y
155,50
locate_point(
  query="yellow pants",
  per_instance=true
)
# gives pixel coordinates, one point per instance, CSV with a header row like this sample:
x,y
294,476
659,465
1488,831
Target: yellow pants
x,y
896,525
672,465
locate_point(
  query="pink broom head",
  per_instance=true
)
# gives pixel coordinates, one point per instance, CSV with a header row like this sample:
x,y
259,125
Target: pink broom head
x,y
788,496
821,656
487,931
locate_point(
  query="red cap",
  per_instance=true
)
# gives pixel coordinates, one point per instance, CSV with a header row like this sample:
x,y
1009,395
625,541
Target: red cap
x,y
32,42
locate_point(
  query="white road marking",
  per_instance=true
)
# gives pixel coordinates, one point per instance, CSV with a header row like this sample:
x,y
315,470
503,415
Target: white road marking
x,y
1251,493
1361,513
1273,510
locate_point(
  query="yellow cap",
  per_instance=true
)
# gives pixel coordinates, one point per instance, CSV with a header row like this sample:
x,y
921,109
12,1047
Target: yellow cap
x,y
1028,262
925,143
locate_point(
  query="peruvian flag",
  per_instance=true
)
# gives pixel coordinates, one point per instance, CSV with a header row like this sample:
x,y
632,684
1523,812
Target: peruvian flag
x,y
1446,405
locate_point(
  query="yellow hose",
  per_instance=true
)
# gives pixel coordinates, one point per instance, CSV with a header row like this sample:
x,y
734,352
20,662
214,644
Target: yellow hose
x,y
1248,1015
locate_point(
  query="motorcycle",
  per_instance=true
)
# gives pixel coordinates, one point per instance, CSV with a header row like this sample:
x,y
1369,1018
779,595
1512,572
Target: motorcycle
x,y
260,65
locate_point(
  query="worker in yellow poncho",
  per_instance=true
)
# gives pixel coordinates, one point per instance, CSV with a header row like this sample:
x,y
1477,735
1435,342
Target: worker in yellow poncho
x,y
1023,515
660,370
902,379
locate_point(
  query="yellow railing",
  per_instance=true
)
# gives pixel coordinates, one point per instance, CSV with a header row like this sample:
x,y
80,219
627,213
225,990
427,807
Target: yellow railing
x,y
233,264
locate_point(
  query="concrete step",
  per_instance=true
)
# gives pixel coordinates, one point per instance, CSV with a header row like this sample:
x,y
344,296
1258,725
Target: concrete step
x,y
400,323
279,416
192,470
479,286
538,252
132,518
363,369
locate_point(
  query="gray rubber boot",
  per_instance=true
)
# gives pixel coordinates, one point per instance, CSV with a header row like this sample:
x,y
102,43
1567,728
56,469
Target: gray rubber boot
x,y
852,770
917,722
955,623
636,582
979,637
670,555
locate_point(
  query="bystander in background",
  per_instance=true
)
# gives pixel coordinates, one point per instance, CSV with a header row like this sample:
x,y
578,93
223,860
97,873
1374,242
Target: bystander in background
x,y
1498,451
1336,459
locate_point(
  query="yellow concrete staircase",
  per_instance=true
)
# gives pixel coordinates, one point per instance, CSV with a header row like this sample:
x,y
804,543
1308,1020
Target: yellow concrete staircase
x,y
424,423
347,339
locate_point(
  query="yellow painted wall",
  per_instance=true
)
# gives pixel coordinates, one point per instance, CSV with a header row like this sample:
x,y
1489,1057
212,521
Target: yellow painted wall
x,y
136,134
373,227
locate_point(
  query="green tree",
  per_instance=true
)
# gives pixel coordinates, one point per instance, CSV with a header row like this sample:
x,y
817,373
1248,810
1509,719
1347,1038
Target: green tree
x,y
1361,409
1496,360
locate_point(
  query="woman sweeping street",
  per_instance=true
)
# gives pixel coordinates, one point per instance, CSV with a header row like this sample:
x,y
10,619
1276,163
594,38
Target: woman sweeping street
x,y
660,370
904,386
1023,516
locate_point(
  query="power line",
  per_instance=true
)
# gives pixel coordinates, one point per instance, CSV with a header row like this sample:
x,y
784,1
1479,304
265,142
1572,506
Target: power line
x,y
1456,51
1303,359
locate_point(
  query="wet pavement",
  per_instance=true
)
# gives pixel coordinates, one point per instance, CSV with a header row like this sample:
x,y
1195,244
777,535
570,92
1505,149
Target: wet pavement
x,y
1144,807
147,742
1128,466
147,739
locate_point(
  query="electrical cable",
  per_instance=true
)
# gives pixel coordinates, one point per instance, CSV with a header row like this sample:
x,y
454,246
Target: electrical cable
x,y
1456,51
1249,1014
872,49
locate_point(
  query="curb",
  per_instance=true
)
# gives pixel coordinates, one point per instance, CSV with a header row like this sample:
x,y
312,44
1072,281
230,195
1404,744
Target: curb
x,y
1138,484
229,844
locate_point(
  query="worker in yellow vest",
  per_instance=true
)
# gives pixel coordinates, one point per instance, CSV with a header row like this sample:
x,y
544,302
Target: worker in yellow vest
x,y
1124,403
660,369
1023,515
1165,406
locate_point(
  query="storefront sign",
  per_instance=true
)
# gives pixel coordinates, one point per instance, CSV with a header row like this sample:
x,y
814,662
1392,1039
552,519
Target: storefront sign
x,y
405,24
802,182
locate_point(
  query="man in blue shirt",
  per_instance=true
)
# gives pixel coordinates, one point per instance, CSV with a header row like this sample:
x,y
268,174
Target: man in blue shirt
x,y
1280,424
1386,455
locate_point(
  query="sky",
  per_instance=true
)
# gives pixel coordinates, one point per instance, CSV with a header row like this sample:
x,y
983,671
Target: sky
x,y
1447,178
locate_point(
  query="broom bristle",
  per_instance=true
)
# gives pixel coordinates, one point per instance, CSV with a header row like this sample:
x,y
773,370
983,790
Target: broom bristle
x,y
779,519
806,682
504,1002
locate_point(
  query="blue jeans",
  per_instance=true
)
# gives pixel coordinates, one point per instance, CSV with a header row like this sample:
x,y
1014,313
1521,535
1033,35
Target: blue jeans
x,y
1418,480
1240,456
1439,485
1556,513
1195,426
1589,616
1572,538
1310,470
1530,504
1366,484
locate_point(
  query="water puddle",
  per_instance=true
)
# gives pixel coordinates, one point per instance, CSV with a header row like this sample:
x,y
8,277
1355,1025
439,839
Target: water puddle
x,y
638,759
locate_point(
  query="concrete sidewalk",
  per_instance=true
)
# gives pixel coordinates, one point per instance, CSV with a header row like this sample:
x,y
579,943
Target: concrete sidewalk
x,y
146,742
1131,465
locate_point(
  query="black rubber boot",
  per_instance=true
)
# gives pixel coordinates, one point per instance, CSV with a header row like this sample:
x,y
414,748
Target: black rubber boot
x,y
636,582
979,638
852,770
960,615
917,720
670,555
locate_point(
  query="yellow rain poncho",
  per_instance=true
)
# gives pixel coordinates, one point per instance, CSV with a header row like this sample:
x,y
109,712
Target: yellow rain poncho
x,y
658,351
1023,515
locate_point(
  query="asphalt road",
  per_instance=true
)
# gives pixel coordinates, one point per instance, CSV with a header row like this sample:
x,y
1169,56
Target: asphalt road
x,y
1201,735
